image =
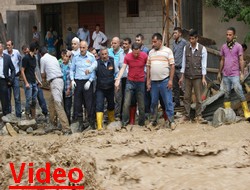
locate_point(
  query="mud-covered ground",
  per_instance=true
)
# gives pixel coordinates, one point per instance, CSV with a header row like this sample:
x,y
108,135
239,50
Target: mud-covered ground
x,y
193,156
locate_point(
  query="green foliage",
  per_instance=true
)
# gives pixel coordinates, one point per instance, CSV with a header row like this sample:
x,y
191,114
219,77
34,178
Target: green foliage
x,y
239,9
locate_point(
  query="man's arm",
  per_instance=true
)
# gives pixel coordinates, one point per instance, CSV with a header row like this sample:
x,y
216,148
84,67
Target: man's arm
x,y
124,66
104,37
204,66
242,64
94,36
171,76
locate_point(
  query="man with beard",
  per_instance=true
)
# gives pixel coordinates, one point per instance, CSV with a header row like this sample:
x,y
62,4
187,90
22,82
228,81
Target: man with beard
x,y
232,68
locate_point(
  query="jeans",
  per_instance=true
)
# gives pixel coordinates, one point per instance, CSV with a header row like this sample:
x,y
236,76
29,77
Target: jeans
x,y
17,97
160,88
101,94
31,96
137,88
233,82
42,101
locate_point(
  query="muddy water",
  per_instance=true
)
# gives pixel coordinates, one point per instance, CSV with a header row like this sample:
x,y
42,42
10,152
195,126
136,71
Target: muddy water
x,y
191,157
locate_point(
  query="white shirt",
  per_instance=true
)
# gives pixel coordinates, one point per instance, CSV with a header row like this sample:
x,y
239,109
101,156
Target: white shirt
x,y
121,62
15,58
98,38
1,68
50,66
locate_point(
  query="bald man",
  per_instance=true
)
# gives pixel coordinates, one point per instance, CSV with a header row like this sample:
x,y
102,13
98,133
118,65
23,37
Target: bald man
x,y
82,74
115,51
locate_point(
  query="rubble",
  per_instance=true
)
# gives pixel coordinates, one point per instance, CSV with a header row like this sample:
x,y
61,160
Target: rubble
x,y
25,124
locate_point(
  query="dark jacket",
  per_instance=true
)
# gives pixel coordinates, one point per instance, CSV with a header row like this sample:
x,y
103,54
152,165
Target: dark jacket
x,y
193,67
8,65
105,75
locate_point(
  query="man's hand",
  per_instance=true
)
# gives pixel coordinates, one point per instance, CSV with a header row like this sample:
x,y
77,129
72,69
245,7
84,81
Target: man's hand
x,y
170,84
181,81
87,72
148,85
27,85
68,92
219,77
204,82
87,85
39,83
73,84
241,77
117,84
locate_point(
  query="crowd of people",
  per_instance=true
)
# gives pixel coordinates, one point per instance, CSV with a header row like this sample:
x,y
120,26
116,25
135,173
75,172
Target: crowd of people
x,y
125,78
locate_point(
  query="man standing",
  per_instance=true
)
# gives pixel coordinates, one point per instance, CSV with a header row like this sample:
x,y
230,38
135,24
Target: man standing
x,y
115,51
135,83
83,34
30,81
232,67
120,101
178,46
16,60
51,71
82,74
36,35
6,79
105,73
69,37
160,73
139,39
99,38
194,69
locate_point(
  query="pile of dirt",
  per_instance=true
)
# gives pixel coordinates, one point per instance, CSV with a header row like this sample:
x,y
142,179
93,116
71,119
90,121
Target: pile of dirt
x,y
59,152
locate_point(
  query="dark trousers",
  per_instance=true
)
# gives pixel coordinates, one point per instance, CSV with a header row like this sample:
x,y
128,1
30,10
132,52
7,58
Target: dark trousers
x,y
101,94
67,102
86,98
123,85
176,87
4,96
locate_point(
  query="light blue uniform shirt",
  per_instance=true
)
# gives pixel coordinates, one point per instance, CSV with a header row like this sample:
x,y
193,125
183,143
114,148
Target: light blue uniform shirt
x,y
116,56
82,63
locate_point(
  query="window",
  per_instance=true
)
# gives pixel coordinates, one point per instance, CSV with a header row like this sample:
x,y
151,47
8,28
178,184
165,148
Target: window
x,y
132,8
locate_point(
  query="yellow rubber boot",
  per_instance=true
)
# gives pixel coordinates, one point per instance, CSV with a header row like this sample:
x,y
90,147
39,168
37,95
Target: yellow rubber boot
x,y
227,105
245,110
111,115
99,118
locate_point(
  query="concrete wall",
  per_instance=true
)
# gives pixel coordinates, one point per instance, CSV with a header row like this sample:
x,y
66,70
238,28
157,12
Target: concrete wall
x,y
10,5
149,20
112,21
70,17
215,29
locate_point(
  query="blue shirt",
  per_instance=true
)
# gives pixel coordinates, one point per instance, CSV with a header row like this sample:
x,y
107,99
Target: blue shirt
x,y
178,47
144,49
82,63
66,77
116,56
15,58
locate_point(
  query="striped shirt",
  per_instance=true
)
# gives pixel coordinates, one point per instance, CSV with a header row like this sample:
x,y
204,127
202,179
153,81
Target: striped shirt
x,y
159,62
